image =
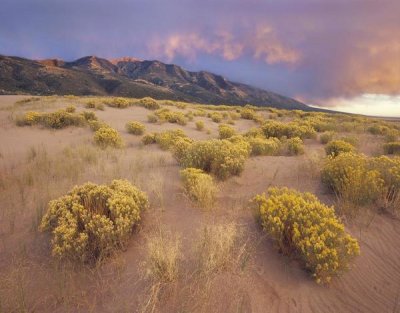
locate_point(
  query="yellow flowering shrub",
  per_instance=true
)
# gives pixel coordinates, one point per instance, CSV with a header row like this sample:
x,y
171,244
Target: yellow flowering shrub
x,y
149,139
148,103
247,113
336,147
295,146
91,104
92,220
89,116
171,116
326,137
108,137
199,186
304,227
70,109
216,117
28,119
352,179
392,147
200,125
168,138
262,146
57,119
119,103
223,158
135,128
272,128
95,124
226,131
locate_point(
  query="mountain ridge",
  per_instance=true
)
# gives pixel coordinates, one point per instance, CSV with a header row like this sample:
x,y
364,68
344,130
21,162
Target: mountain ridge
x,y
131,77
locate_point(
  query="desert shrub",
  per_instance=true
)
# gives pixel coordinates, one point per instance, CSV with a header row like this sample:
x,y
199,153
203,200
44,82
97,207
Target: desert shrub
x,y
234,116
200,112
223,158
135,128
28,119
99,106
181,105
108,137
247,113
262,146
392,147
200,125
199,186
120,103
216,247
151,118
216,117
350,139
336,147
392,135
171,117
353,181
377,129
304,227
295,146
226,131
70,109
168,138
91,104
96,125
326,137
61,119
163,256
149,139
255,132
149,103
278,129
189,115
89,116
93,220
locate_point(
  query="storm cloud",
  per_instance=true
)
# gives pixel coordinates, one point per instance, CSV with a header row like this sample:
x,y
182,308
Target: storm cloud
x,y
315,50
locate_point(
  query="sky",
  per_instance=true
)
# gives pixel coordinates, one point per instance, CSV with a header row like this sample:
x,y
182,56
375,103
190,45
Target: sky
x,y
339,54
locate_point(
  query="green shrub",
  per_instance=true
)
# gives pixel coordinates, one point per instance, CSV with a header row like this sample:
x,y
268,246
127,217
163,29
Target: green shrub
x,y
305,228
392,147
149,139
70,109
223,158
200,125
149,103
226,131
326,137
108,137
295,146
262,146
199,186
135,128
92,220
336,147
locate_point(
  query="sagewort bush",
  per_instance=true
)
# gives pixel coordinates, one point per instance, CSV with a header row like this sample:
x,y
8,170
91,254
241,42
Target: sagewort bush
x,y
199,186
392,147
326,137
119,103
336,147
226,131
93,220
222,158
135,128
262,146
168,138
295,146
70,109
216,117
108,137
57,120
352,179
149,103
149,139
292,129
171,116
200,125
302,226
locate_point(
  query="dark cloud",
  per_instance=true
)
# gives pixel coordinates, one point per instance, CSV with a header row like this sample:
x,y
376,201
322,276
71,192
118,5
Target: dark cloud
x,y
312,49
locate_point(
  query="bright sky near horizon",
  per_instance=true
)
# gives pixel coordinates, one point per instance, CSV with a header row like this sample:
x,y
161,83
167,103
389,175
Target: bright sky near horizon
x,y
339,54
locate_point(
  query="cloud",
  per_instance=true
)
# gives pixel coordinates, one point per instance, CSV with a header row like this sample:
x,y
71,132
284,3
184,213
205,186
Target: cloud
x,y
260,43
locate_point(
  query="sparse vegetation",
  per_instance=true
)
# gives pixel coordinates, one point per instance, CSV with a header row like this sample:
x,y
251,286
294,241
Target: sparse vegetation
x,y
304,227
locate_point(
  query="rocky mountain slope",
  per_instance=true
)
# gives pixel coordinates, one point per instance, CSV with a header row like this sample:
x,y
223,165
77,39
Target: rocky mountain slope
x,y
132,78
